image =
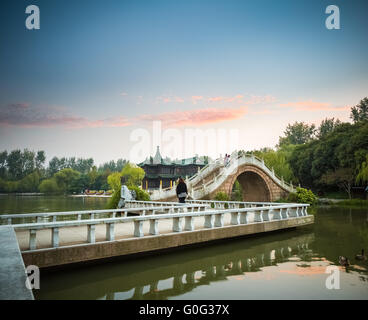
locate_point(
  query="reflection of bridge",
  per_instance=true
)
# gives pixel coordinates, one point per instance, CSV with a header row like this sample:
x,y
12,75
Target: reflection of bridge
x,y
259,183
176,274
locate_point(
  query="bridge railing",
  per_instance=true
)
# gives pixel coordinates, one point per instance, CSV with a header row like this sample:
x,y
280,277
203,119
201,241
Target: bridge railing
x,y
224,171
92,214
212,219
218,204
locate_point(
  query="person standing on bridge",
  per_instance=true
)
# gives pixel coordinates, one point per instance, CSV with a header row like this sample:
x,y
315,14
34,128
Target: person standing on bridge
x,y
181,190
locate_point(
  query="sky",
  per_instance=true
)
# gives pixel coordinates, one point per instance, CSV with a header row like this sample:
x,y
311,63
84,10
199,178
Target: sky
x,y
98,75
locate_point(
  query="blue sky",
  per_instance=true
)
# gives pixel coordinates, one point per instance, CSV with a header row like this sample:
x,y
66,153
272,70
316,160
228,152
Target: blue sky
x,y
96,70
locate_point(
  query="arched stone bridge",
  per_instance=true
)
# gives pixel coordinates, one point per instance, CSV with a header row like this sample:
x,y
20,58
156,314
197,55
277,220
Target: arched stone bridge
x,y
259,183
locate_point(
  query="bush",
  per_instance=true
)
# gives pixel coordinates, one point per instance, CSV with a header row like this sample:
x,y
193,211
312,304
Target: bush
x,y
302,196
221,196
49,186
141,195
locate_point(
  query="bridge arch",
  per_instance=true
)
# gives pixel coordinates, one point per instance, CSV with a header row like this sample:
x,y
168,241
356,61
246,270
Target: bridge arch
x,y
255,183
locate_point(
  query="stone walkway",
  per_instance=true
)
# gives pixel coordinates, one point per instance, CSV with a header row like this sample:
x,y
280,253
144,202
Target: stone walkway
x,y
78,235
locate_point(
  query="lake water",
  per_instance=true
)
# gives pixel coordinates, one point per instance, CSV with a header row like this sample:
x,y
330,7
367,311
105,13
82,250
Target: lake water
x,y
284,265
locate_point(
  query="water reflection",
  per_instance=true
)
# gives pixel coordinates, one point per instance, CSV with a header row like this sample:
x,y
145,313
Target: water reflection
x,y
180,273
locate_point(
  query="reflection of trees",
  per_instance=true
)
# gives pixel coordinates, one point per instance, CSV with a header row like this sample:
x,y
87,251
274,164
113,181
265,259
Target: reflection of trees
x,y
188,269
341,232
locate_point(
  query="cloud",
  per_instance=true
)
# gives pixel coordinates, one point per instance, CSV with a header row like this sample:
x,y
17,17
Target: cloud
x,y
123,94
243,99
169,99
196,117
310,105
22,115
195,99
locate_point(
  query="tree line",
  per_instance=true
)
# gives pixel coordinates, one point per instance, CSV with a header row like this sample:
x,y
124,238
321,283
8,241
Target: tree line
x,y
26,171
330,158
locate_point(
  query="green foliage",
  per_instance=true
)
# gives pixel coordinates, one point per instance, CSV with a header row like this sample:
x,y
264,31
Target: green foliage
x,y
360,111
298,133
327,126
237,192
221,196
279,161
49,186
114,181
342,177
362,176
114,200
132,174
141,195
346,147
65,178
302,196
29,183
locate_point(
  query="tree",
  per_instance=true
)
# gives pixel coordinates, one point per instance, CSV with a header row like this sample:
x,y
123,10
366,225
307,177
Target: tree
x,y
360,111
15,164
327,126
49,186
65,178
362,176
133,175
298,133
3,163
40,160
343,177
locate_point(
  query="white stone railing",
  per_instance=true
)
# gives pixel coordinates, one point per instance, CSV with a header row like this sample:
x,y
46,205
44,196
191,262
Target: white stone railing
x,y
149,209
236,160
217,204
212,219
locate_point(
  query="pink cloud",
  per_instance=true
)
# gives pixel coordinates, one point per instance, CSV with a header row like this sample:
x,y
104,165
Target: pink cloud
x,y
168,99
195,99
196,117
18,115
313,106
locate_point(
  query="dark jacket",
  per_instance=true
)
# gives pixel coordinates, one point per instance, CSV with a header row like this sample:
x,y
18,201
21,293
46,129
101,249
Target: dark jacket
x,y
181,187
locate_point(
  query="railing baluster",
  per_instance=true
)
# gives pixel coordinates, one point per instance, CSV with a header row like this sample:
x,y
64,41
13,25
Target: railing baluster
x,y
138,228
177,224
55,237
219,220
234,218
91,236
208,221
153,227
110,231
189,225
32,239
243,217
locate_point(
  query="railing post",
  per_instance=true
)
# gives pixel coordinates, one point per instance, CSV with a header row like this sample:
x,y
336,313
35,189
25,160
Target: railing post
x,y
55,237
110,234
208,221
189,225
258,216
266,215
177,224
79,217
153,227
234,218
138,228
9,221
91,237
53,218
243,218
32,239
219,220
